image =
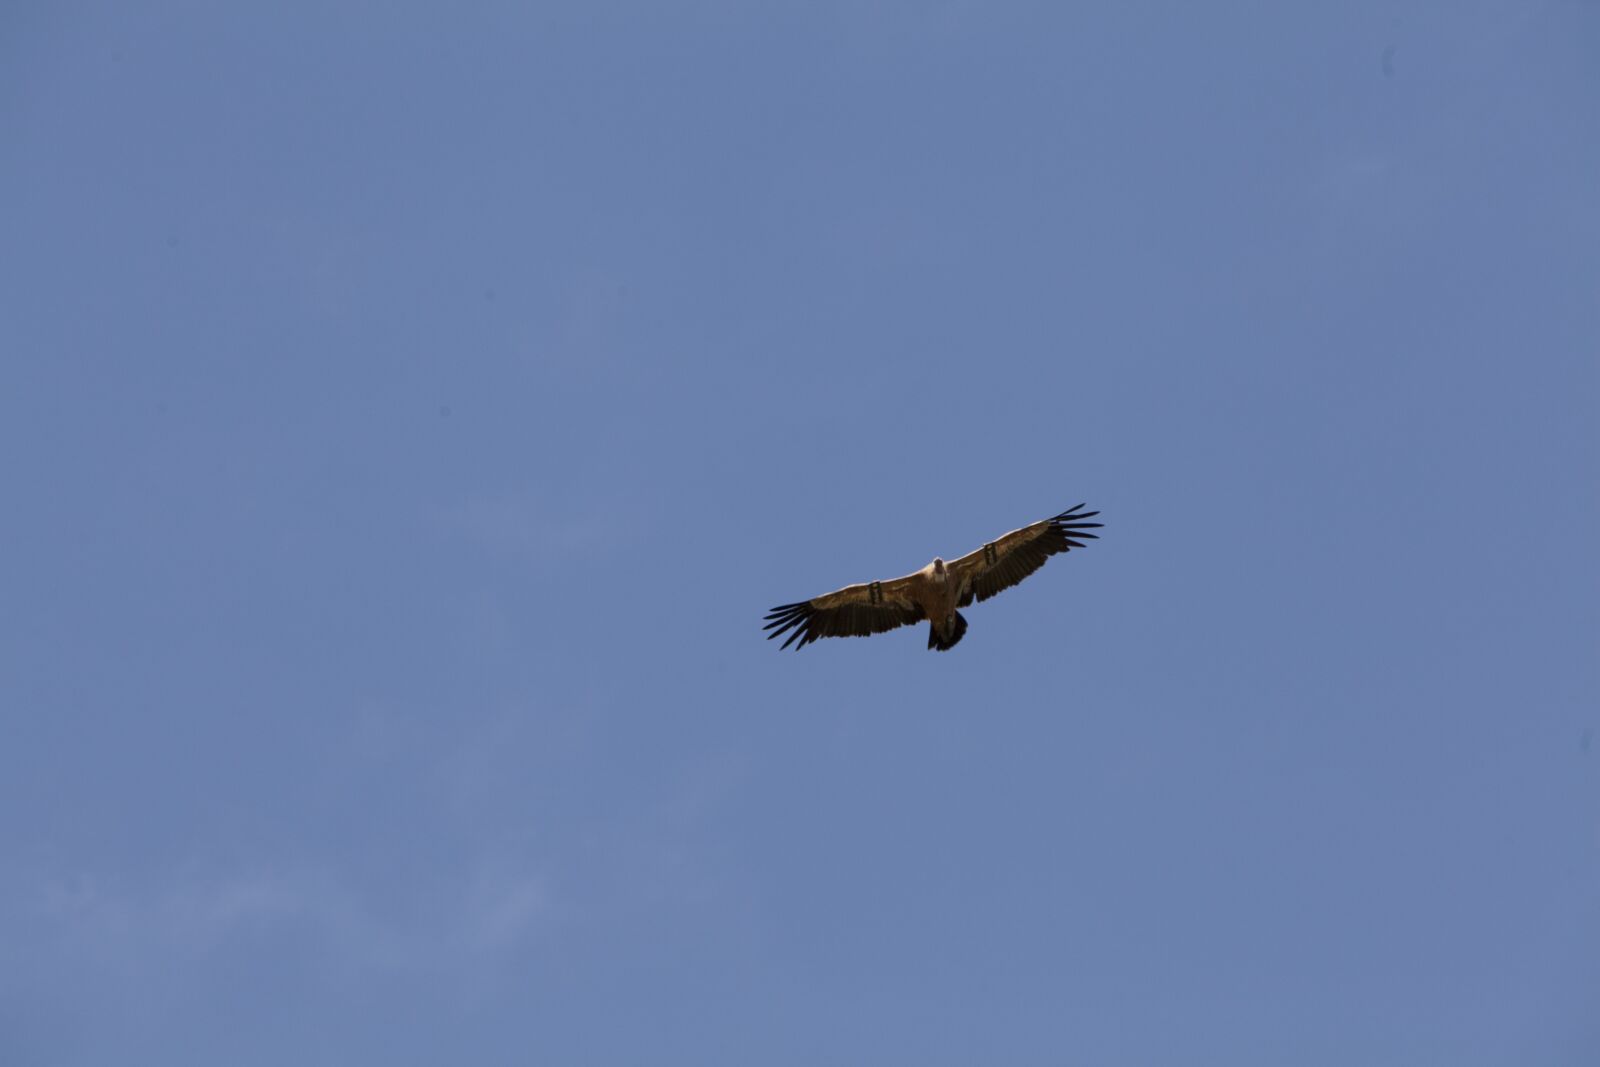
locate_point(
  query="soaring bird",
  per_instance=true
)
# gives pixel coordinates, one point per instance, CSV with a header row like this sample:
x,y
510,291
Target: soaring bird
x,y
936,591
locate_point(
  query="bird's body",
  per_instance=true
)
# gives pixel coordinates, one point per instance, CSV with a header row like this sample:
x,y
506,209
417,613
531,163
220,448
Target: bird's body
x,y
935,592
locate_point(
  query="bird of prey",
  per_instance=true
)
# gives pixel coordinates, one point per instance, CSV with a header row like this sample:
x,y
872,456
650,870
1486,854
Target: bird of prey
x,y
936,591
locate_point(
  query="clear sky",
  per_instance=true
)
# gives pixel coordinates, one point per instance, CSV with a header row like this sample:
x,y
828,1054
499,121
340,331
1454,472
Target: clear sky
x,y
411,410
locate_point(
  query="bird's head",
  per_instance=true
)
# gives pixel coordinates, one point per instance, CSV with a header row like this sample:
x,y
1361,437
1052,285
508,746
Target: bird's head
x,y
938,566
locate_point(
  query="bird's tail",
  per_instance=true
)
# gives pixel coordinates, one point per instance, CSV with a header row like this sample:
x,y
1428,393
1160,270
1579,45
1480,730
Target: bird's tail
x,y
956,634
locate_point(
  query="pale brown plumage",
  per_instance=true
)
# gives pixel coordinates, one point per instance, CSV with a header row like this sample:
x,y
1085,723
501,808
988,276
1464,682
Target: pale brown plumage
x,y
936,591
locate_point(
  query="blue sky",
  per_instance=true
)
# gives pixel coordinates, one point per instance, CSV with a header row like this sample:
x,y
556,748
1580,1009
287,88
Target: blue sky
x,y
411,412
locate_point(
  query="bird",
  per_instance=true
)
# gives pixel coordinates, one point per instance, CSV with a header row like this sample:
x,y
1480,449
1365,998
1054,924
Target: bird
x,y
936,591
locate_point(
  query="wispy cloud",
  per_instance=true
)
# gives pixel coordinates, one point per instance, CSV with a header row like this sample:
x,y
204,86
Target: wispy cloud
x,y
519,524
111,924
500,909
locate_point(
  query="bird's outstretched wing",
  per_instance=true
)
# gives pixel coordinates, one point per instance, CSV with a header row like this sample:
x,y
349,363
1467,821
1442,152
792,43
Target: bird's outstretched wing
x,y
1004,562
854,611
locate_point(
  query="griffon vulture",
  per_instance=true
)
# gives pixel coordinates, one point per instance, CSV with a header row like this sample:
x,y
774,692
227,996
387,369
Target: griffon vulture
x,y
936,591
